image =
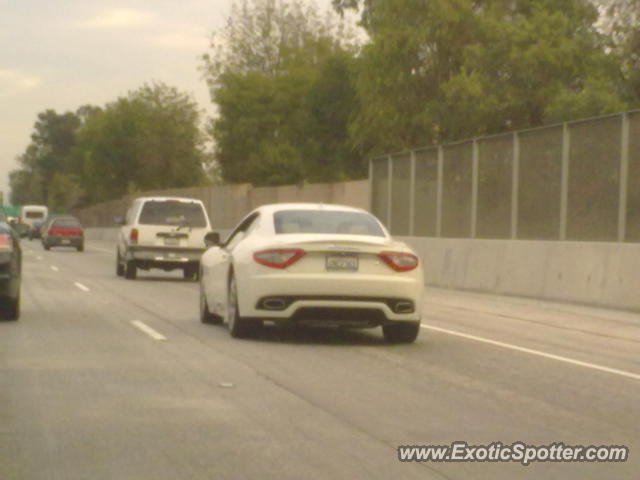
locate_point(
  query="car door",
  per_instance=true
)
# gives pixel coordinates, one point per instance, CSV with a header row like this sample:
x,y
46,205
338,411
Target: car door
x,y
217,262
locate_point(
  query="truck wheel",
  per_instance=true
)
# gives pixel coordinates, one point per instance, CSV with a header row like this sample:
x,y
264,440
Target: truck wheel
x,y
119,265
131,271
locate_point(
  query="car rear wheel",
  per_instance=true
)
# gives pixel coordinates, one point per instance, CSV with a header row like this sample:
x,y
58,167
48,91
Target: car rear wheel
x,y
239,327
46,247
119,265
205,315
131,270
81,248
190,273
11,307
401,332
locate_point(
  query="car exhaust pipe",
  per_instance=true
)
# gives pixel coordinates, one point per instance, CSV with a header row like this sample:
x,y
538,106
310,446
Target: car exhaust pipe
x,y
403,307
274,304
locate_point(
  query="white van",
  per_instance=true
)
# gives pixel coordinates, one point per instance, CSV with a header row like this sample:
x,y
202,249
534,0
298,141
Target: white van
x,y
162,232
33,213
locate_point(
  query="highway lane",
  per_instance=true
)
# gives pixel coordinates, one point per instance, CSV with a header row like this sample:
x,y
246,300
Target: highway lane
x,y
86,394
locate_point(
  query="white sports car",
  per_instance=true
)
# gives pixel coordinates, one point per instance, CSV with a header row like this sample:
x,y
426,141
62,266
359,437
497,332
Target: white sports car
x,y
311,264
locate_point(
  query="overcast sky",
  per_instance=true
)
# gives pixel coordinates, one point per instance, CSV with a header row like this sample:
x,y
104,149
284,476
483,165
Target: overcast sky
x,y
61,54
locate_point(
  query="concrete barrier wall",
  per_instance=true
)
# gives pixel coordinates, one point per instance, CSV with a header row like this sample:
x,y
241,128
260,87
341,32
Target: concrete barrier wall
x,y
227,204
102,234
596,273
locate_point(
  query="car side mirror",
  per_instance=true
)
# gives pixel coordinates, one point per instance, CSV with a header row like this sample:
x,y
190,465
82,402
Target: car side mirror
x,y
212,239
119,220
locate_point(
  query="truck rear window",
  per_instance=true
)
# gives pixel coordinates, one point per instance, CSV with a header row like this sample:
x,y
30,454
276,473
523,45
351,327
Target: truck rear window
x,y
168,212
34,215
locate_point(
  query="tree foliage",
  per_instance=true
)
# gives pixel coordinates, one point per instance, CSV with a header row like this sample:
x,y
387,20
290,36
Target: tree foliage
x,y
147,140
150,139
621,22
442,70
52,141
280,77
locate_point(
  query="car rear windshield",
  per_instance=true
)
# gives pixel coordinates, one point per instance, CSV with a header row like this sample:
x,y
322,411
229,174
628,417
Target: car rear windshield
x,y
66,223
169,212
326,221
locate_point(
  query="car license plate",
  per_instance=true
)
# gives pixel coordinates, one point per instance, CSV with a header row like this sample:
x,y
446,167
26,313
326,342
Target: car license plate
x,y
66,241
342,261
171,241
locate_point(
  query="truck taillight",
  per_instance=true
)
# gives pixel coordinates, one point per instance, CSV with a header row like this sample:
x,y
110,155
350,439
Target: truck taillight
x,y
133,236
279,257
399,261
6,242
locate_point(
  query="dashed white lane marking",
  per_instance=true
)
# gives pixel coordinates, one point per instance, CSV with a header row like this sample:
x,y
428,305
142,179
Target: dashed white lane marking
x,y
82,287
54,268
148,330
38,257
539,353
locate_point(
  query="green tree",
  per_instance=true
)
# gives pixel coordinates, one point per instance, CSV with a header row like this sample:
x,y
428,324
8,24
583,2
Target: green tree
x,y
150,139
52,139
441,70
268,72
26,187
48,154
621,22
65,193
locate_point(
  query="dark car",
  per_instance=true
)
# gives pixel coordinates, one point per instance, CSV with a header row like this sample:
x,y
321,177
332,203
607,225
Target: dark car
x,y
10,272
63,232
35,230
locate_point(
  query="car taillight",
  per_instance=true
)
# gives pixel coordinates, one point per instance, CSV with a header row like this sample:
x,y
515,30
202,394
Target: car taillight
x,y
399,261
279,257
133,236
6,242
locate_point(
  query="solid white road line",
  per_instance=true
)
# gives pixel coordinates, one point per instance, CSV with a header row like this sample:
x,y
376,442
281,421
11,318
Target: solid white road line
x,y
54,268
539,353
82,287
148,330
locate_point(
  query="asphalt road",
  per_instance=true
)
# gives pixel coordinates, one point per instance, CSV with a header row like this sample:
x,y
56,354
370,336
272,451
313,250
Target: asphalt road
x,y
105,378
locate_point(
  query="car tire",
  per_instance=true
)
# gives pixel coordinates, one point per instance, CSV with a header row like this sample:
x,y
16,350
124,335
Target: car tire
x,y
131,271
239,327
46,247
119,265
205,315
11,307
190,273
81,248
401,332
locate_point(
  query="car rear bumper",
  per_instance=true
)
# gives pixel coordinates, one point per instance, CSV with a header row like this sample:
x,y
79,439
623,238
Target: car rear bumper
x,y
339,298
64,241
164,256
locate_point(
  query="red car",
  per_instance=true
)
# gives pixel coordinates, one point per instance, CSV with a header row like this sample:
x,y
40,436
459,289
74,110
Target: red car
x,y
63,232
